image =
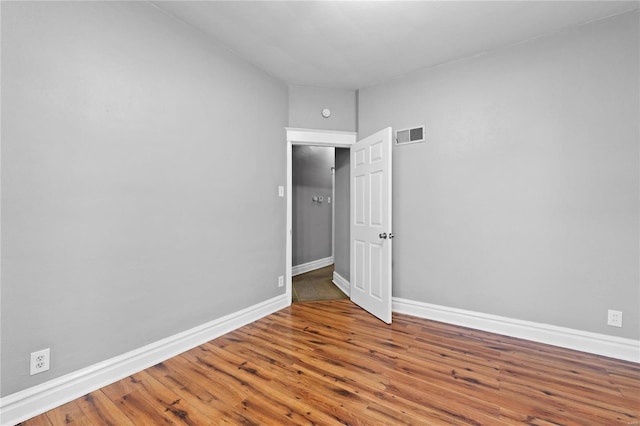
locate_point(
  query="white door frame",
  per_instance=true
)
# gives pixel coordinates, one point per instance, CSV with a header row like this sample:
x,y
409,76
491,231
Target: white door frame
x,y
311,137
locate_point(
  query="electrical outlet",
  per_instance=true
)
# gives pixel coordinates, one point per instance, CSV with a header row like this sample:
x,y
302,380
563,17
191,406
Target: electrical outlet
x,y
39,361
614,318
280,281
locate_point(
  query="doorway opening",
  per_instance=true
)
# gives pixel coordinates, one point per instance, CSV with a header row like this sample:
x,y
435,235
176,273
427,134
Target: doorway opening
x,y
309,141
320,220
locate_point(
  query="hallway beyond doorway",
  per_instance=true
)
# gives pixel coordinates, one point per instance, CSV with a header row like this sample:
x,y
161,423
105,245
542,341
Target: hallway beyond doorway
x,y
316,285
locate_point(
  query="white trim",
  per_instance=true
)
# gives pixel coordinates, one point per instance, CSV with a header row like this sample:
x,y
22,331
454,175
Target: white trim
x,y
320,137
38,399
333,204
289,227
313,137
599,344
311,266
341,283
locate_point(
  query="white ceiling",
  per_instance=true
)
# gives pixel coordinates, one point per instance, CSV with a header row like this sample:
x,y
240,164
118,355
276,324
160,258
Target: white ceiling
x,y
354,44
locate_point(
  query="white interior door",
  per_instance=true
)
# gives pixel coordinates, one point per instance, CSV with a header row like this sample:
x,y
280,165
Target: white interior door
x,y
371,233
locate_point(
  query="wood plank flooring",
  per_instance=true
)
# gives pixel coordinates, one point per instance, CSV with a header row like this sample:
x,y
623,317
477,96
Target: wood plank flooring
x,y
331,363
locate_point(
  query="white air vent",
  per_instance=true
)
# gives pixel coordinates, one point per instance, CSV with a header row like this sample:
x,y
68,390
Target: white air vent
x,y
412,135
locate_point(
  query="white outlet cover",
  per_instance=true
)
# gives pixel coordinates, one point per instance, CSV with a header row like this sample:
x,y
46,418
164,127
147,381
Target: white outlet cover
x,y
614,318
40,361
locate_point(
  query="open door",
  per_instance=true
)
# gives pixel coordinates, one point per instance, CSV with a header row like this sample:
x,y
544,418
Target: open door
x,y
371,233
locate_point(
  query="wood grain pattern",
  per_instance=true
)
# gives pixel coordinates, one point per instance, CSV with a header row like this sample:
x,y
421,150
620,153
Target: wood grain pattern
x,y
331,363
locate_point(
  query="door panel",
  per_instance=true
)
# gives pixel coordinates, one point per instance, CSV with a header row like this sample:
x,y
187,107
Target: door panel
x,y
359,199
359,270
375,185
371,224
377,258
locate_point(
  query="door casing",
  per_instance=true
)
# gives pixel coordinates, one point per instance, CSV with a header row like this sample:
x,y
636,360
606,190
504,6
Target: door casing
x,y
296,136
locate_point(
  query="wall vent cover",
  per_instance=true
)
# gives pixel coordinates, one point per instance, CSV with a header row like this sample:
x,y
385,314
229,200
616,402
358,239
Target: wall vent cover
x,y
413,135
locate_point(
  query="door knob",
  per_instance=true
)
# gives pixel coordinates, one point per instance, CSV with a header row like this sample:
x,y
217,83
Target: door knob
x,y
391,235
383,235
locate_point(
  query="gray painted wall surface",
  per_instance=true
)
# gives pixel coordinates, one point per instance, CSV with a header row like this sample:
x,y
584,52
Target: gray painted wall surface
x,y
311,176
342,205
524,201
125,217
306,104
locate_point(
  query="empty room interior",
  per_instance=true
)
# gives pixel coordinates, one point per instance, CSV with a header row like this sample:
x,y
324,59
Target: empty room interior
x,y
480,201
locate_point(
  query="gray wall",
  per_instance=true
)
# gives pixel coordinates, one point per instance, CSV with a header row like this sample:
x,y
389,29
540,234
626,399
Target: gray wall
x,y
311,176
306,104
524,201
305,107
342,205
140,166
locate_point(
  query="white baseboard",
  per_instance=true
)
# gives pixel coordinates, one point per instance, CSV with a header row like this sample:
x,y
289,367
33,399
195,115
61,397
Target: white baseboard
x,y
311,266
341,283
599,344
36,400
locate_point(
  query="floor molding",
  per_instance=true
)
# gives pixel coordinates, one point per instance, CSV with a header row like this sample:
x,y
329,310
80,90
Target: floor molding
x,y
599,344
311,266
38,399
341,283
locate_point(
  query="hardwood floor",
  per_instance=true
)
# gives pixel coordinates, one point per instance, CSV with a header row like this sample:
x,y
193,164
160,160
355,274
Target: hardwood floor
x,y
331,363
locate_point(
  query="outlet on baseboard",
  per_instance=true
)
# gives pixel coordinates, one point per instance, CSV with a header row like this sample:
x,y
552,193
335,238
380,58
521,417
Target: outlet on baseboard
x,y
280,281
39,361
614,318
